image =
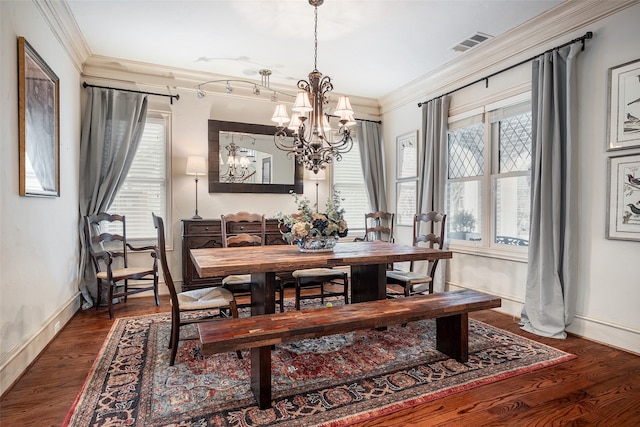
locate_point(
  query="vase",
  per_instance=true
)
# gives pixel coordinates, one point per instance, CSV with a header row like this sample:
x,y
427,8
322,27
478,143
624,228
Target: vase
x,y
317,244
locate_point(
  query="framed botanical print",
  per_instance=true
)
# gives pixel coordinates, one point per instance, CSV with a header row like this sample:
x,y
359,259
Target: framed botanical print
x,y
407,155
624,198
624,106
39,116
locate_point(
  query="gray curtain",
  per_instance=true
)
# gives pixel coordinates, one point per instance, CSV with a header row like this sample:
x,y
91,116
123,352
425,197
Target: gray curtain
x,y
433,155
112,126
432,170
372,157
553,246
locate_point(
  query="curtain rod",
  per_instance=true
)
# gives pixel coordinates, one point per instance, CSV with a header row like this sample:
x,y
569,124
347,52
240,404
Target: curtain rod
x,y
588,35
359,120
177,97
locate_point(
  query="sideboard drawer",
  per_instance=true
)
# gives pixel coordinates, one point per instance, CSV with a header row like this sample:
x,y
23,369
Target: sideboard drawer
x,y
202,227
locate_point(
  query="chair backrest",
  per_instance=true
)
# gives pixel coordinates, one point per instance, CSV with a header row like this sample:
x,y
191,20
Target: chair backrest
x,y
428,228
161,254
379,226
96,239
243,229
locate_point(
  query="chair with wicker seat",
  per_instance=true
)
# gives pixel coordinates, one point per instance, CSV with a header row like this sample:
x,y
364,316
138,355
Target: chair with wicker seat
x,y
378,227
413,282
318,278
197,301
245,229
109,255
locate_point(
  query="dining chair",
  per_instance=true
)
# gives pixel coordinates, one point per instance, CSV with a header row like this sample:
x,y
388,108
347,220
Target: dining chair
x,y
411,281
109,254
378,227
193,306
245,229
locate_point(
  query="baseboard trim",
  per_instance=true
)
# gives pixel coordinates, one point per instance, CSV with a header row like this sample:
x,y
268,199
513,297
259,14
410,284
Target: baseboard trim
x,y
600,331
18,360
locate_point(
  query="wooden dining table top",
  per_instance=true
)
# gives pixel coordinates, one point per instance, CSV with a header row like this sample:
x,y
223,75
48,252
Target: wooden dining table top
x,y
215,262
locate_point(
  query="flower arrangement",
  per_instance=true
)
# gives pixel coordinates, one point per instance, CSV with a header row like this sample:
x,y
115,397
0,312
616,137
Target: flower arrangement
x,y
306,223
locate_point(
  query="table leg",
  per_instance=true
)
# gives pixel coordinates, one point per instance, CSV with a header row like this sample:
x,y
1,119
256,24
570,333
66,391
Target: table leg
x,y
368,282
263,293
452,336
261,376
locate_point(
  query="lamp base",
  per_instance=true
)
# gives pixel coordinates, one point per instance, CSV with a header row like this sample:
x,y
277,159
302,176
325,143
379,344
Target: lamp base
x,y
196,216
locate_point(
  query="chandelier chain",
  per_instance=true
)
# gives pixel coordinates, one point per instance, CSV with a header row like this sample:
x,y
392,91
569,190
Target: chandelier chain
x,y
315,40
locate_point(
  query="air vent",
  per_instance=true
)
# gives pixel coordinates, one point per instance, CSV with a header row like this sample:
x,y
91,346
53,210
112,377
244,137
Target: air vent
x,y
471,41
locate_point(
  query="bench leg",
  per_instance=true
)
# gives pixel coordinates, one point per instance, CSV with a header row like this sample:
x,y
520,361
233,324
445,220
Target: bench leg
x,y
261,375
452,336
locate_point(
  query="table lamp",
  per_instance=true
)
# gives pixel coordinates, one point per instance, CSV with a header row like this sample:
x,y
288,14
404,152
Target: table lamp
x,y
319,176
196,165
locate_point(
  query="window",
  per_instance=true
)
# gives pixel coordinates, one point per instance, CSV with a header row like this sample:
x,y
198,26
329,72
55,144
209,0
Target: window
x,y
145,189
489,171
348,179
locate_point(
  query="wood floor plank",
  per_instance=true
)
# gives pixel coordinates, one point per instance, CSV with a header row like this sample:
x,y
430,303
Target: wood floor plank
x,y
600,387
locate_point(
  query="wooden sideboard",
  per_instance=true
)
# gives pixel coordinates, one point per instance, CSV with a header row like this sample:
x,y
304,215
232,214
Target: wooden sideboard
x,y
207,233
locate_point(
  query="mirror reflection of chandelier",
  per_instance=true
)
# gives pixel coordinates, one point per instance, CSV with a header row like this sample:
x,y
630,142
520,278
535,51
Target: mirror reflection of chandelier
x,y
239,167
312,144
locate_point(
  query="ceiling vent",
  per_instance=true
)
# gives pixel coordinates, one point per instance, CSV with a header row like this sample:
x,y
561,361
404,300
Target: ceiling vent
x,y
470,42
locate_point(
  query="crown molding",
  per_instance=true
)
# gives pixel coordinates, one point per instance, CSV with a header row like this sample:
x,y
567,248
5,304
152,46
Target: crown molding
x,y
65,28
136,74
532,37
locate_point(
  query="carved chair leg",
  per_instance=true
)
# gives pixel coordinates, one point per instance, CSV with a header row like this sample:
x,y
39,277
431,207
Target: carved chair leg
x,y
346,288
99,287
155,290
110,301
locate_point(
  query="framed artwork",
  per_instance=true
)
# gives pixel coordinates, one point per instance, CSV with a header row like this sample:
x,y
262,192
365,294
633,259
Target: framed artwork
x,y
624,106
407,155
39,116
406,202
624,198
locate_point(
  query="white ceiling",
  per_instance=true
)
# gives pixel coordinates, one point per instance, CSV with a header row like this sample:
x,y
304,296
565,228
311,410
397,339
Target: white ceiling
x,y
368,47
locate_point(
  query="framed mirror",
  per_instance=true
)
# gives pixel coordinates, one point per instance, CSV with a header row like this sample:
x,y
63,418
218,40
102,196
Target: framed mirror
x,y
244,159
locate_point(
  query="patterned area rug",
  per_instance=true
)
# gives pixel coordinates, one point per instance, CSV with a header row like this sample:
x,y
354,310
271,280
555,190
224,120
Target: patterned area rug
x,y
331,381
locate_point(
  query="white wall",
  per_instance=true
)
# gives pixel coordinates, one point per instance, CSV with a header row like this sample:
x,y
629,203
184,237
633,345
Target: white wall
x,y
38,236
608,282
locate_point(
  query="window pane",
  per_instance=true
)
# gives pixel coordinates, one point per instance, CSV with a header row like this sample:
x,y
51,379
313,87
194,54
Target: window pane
x,y
144,190
512,210
348,179
466,151
464,199
406,204
515,143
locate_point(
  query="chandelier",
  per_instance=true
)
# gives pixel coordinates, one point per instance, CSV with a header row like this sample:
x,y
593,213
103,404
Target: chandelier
x,y
239,167
313,144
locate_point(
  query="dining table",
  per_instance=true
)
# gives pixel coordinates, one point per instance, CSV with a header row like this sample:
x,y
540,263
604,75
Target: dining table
x,y
368,262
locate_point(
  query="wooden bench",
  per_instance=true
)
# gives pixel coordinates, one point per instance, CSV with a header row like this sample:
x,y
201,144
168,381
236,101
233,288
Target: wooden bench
x,y
259,333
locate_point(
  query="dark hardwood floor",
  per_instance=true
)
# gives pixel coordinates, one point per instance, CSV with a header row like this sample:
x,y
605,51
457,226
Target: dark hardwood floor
x,y
600,387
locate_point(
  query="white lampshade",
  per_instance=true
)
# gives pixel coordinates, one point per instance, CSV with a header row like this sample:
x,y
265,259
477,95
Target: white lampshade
x,y
294,124
280,115
302,104
344,106
350,120
196,165
318,176
325,123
